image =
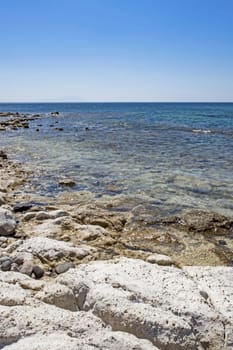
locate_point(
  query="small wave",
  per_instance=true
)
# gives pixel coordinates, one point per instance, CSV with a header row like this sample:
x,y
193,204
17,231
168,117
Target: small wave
x,y
202,131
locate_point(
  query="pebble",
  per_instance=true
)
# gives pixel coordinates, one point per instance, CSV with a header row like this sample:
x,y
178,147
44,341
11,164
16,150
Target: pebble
x,y
38,271
63,267
6,265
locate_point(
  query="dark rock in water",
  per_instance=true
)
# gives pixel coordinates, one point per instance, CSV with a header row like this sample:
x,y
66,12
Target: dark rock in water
x,y
58,129
3,155
25,125
22,207
67,182
38,271
54,114
27,268
63,267
6,265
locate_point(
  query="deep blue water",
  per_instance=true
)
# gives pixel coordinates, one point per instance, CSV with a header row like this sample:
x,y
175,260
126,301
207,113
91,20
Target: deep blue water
x,y
173,156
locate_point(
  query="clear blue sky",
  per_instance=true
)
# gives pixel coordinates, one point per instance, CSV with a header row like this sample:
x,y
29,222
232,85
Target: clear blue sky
x,y
116,50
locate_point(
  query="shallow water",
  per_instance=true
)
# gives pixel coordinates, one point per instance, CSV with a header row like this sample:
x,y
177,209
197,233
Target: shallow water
x,y
165,156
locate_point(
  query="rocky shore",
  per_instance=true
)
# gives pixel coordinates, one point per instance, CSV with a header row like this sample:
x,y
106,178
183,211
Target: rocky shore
x,y
85,276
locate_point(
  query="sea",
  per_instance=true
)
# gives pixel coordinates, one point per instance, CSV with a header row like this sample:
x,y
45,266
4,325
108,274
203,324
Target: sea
x,y
172,157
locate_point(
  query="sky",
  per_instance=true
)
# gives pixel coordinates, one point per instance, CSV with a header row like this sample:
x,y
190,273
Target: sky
x,y
116,50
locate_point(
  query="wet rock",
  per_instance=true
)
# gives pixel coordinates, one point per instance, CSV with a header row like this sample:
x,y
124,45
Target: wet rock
x,y
22,207
61,268
207,222
91,215
38,271
54,114
159,259
7,223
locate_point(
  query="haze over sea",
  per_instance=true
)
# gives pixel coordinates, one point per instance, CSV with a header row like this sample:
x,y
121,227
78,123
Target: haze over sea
x,y
166,156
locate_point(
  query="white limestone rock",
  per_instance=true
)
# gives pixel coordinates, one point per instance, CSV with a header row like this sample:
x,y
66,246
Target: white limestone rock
x,y
216,285
50,249
22,321
103,340
58,295
157,303
7,222
42,326
11,295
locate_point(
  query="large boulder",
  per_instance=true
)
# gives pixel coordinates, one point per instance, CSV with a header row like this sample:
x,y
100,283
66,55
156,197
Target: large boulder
x,y
7,222
161,304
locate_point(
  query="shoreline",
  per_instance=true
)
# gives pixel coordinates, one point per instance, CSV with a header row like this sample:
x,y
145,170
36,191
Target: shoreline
x,y
76,256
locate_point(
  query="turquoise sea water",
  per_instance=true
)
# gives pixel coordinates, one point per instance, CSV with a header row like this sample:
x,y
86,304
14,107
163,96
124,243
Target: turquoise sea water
x,y
171,156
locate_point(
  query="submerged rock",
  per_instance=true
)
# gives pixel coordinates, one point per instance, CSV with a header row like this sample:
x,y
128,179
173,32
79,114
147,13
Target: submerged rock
x,y
207,222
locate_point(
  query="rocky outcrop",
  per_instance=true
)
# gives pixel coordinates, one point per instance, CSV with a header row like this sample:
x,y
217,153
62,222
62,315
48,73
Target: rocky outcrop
x,y
30,322
119,304
161,304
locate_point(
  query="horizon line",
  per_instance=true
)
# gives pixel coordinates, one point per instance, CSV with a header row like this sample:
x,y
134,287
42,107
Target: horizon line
x,y
83,102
